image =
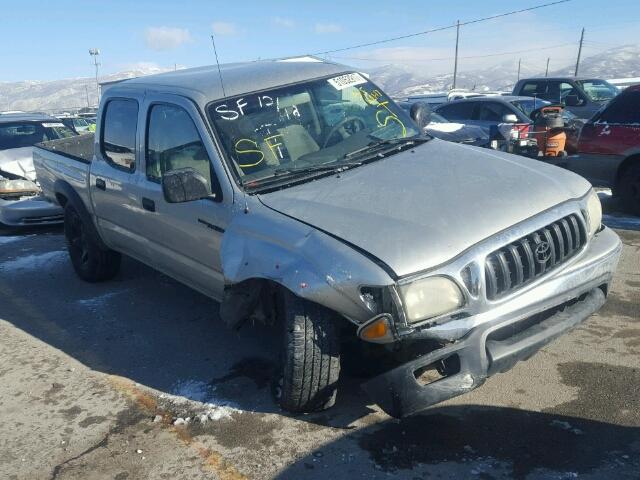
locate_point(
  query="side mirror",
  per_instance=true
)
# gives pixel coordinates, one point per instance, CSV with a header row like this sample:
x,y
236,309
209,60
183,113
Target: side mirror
x,y
421,114
509,118
184,185
572,101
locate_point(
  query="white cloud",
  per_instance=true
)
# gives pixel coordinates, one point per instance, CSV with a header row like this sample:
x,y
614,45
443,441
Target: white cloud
x,y
283,22
224,28
166,38
328,28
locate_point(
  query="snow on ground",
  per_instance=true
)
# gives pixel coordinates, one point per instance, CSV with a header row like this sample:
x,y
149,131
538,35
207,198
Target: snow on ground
x,y
198,398
33,262
5,240
99,301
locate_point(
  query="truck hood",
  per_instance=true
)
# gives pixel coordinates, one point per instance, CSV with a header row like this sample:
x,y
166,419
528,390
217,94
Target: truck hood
x,y
18,161
420,208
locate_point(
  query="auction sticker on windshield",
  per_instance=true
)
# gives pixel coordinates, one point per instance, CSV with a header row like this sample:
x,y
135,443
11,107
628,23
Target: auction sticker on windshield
x,y
52,125
347,80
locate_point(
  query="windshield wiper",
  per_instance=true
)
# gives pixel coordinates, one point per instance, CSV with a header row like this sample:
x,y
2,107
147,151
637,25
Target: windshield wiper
x,y
325,167
373,147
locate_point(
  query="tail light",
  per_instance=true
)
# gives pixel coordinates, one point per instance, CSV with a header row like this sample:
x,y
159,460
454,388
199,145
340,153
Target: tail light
x,y
520,131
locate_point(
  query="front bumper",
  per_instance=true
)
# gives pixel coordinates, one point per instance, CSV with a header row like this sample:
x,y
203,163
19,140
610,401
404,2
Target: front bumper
x,y
495,340
30,211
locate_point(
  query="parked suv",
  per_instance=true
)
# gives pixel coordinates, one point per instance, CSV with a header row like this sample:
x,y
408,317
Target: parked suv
x,y
581,96
302,196
609,149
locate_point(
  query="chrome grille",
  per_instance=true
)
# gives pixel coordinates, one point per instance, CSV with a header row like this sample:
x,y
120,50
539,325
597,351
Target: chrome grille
x,y
530,257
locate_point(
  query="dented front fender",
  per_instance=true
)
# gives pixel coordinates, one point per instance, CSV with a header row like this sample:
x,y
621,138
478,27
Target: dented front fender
x,y
313,265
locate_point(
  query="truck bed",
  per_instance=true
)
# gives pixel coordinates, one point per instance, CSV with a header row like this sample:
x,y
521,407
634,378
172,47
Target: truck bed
x,y
67,160
78,147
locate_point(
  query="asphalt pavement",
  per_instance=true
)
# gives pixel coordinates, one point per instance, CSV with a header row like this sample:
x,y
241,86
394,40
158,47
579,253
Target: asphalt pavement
x,y
137,378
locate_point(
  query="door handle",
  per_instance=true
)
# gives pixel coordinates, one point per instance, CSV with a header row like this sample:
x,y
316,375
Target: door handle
x,y
101,184
148,204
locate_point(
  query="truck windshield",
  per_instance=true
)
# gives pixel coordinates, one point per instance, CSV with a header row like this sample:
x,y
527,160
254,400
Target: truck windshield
x,y
27,134
307,126
598,90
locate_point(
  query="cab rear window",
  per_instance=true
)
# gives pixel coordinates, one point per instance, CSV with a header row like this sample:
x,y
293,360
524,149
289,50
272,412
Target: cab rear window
x,y
27,134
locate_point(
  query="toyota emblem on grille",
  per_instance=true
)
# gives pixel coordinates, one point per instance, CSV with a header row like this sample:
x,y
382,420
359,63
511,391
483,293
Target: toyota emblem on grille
x,y
543,252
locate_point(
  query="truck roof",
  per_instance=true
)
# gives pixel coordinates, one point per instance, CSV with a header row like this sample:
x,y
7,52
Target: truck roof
x,y
239,78
568,77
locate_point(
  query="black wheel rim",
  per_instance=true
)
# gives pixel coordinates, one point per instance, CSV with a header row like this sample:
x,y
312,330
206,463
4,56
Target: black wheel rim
x,y
78,241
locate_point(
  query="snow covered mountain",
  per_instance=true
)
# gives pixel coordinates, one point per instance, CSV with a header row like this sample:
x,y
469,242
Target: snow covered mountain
x,y
403,80
59,94
397,80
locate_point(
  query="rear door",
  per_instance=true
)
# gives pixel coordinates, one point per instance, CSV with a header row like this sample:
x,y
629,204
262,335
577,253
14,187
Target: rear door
x,y
183,238
115,176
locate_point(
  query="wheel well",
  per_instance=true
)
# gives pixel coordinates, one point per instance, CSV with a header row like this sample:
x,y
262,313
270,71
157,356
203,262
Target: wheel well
x,y
62,200
625,165
253,297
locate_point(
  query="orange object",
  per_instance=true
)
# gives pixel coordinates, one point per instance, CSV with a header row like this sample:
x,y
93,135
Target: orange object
x,y
376,330
549,131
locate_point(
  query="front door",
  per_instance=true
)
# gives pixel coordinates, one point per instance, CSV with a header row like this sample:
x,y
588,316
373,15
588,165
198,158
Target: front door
x,y
184,238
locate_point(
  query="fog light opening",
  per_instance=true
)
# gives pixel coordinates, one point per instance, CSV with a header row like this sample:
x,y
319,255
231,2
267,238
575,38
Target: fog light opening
x,y
437,370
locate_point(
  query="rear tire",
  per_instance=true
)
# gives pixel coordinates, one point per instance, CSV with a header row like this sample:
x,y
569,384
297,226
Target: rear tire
x,y
90,262
629,188
310,362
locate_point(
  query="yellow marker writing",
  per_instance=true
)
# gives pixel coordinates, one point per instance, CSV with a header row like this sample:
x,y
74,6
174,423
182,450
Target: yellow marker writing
x,y
274,145
247,151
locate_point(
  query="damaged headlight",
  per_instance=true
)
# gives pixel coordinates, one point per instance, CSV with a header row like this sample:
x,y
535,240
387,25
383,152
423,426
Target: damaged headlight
x,y
594,213
17,188
430,297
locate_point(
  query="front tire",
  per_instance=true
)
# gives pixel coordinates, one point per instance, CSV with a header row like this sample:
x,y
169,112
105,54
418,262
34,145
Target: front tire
x,y
89,261
310,362
629,188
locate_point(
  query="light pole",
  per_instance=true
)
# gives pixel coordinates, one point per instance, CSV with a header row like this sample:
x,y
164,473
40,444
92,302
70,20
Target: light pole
x,y
94,52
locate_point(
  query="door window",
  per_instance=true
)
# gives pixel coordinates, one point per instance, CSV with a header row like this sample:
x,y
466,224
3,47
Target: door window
x,y
119,133
534,89
493,112
457,111
173,143
623,110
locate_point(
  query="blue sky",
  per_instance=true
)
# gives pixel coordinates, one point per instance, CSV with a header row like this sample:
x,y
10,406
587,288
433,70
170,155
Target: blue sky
x,y
44,40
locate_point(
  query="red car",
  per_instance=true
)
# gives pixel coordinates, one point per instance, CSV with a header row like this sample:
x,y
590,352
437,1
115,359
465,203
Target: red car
x,y
609,149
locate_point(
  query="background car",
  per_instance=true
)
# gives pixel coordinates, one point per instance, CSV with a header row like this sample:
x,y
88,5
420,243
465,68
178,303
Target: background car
x,y
20,200
609,149
440,127
581,96
77,124
501,117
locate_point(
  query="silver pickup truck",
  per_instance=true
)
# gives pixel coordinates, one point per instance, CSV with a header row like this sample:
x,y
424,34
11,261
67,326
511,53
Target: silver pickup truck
x,y
296,193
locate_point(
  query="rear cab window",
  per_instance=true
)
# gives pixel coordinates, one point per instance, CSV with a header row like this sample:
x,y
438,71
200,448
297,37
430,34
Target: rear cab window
x,y
118,141
27,134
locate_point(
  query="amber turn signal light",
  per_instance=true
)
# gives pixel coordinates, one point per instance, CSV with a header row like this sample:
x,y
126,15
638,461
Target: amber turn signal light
x,y
377,330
